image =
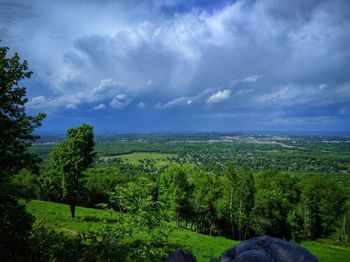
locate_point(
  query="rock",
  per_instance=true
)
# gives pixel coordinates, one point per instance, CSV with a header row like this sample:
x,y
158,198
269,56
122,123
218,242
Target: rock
x,y
182,256
266,249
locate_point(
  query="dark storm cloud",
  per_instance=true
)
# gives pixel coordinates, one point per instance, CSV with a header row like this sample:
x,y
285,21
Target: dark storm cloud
x,y
193,63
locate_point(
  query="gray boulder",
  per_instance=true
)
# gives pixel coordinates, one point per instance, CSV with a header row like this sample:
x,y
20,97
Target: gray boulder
x,y
266,249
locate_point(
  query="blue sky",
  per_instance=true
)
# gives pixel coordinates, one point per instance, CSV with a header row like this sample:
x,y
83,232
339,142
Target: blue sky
x,y
184,65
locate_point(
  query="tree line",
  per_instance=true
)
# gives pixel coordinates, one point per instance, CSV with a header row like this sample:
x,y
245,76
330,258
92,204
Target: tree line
x,y
240,204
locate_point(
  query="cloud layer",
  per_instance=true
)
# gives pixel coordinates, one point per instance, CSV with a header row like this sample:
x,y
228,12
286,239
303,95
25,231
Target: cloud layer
x,y
243,65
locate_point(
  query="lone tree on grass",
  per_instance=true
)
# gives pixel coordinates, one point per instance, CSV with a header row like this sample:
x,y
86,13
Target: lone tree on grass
x,y
70,158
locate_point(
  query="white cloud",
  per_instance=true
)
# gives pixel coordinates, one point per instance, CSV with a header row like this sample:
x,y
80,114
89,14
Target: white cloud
x,y
141,105
251,79
41,102
100,107
185,100
107,87
180,101
120,101
219,96
38,102
322,86
71,106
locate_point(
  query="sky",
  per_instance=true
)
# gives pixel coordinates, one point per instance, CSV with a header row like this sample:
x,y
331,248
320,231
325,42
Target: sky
x,y
184,65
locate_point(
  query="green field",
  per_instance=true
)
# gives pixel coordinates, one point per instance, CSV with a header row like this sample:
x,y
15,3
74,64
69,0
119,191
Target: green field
x,y
203,247
160,159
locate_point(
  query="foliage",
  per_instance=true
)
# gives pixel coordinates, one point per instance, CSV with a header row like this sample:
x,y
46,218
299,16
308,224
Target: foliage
x,y
203,200
231,178
16,126
345,223
15,138
25,185
174,191
70,158
15,224
50,184
108,244
276,197
323,204
136,198
99,182
245,201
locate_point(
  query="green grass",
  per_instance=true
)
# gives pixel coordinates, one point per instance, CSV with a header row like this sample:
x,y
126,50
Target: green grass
x,y
160,158
58,216
327,250
202,246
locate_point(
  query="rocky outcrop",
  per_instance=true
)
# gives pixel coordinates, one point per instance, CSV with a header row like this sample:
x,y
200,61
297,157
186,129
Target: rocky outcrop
x,y
266,249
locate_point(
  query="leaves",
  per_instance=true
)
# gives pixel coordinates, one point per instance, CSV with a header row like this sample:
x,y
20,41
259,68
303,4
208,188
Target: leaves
x,y
69,159
16,126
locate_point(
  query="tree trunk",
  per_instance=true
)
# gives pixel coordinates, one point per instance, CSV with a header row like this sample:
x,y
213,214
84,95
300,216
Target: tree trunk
x,y
344,230
245,233
306,231
72,207
240,221
231,214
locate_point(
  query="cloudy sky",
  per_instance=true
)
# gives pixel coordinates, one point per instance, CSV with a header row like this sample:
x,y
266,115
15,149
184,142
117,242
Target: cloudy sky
x,y
184,65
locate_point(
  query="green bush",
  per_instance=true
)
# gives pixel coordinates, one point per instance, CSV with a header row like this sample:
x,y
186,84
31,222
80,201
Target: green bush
x,y
15,225
108,244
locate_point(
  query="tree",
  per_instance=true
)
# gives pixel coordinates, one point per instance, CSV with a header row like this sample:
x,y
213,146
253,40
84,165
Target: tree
x,y
231,177
275,198
16,126
70,158
323,204
245,200
345,229
174,190
204,199
16,136
227,204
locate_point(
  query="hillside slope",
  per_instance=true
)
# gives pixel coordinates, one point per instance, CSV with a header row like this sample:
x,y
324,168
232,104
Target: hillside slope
x,y
202,246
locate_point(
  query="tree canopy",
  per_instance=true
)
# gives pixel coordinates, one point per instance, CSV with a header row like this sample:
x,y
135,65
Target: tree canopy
x,y
16,132
70,158
16,136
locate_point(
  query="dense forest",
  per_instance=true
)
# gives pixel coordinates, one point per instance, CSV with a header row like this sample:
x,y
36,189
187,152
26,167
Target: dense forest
x,y
236,185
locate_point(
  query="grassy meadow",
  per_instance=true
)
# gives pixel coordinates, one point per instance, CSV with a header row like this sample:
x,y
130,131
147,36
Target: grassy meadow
x,y
160,159
202,246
